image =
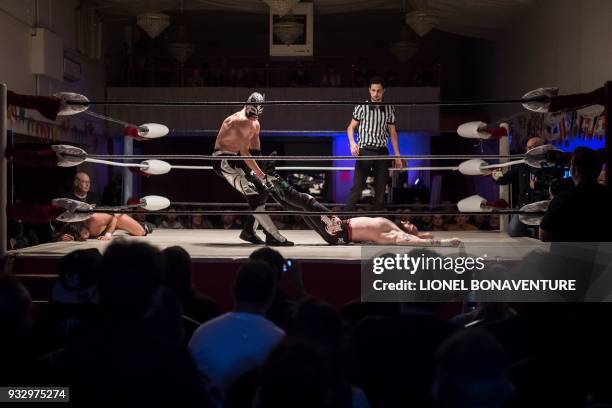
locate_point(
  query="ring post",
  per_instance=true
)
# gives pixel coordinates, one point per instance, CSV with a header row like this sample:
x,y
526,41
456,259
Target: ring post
x,y
3,172
128,177
608,107
504,191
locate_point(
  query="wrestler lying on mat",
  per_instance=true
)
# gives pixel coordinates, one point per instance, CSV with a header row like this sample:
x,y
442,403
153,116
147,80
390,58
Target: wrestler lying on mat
x,y
102,226
337,231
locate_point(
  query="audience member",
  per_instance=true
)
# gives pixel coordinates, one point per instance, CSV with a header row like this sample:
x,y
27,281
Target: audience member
x,y
583,213
461,224
16,319
393,356
230,222
81,190
331,78
281,309
294,376
171,221
236,342
472,372
299,77
177,276
199,221
438,223
319,325
73,309
128,356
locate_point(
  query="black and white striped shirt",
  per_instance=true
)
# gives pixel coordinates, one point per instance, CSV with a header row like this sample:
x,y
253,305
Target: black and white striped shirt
x,y
373,127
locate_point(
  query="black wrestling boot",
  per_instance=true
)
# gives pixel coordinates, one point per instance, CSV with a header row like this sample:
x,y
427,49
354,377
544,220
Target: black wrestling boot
x,y
148,227
251,237
249,233
271,240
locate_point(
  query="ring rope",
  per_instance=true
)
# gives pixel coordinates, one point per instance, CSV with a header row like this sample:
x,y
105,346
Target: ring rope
x,y
300,158
307,213
542,98
272,204
109,119
303,168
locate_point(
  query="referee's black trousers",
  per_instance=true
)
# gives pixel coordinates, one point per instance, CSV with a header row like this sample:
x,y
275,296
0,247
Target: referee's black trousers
x,y
362,170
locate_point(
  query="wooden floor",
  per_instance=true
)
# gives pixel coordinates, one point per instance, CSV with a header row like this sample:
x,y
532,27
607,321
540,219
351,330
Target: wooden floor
x,y
206,245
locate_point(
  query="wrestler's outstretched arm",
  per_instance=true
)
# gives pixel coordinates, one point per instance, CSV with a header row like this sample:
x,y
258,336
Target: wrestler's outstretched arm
x,y
403,238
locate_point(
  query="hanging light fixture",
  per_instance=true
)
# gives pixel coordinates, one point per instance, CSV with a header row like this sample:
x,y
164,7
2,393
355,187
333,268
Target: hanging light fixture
x,y
181,49
422,21
153,23
404,49
281,7
288,31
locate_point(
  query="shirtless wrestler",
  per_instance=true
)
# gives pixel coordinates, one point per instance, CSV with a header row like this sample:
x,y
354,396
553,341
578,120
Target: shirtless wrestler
x,y
336,231
101,226
239,136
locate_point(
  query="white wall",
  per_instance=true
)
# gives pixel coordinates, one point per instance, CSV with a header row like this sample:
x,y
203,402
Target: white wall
x,y
563,43
17,17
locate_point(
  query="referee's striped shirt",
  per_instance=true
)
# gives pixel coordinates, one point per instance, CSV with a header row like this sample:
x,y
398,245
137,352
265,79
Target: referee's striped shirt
x,y
373,120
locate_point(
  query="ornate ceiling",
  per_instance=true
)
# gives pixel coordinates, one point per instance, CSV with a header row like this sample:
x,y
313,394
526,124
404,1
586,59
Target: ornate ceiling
x,y
478,18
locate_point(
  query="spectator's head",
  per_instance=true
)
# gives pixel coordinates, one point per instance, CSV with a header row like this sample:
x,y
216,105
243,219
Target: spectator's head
x,y
494,222
171,218
461,220
479,219
472,371
585,165
228,220
78,277
196,220
438,220
319,324
15,309
404,215
254,286
164,317
560,185
271,256
377,89
426,219
534,142
177,275
130,275
82,183
294,376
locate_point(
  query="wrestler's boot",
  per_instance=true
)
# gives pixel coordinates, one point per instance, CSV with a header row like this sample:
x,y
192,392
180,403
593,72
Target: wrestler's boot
x,y
257,203
249,231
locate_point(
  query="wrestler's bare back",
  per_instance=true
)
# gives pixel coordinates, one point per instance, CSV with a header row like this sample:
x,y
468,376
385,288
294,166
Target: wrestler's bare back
x,y
99,222
96,224
237,133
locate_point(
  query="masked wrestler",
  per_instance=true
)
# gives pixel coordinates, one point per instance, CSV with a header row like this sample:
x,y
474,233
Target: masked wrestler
x,y
239,136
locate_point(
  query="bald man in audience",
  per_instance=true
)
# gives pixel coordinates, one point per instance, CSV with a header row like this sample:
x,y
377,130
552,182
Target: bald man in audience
x,y
81,190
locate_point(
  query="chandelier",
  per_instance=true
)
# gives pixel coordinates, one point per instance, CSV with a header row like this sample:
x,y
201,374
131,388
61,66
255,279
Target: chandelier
x,y
288,31
404,49
153,23
181,51
421,21
281,7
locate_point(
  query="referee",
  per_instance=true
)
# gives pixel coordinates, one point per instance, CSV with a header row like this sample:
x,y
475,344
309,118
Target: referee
x,y
374,125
